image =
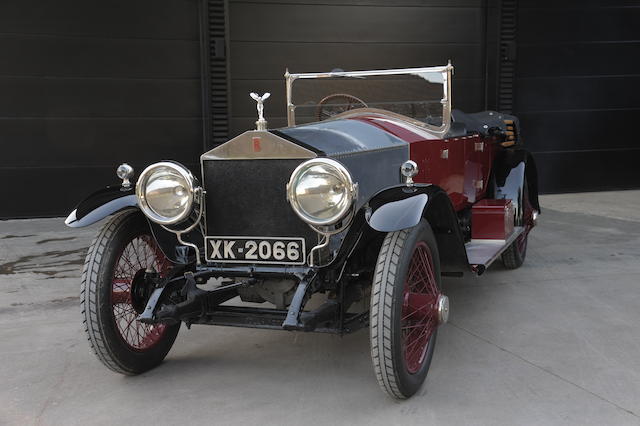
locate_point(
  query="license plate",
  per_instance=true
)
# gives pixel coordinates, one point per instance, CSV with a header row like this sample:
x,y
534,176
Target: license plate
x,y
273,250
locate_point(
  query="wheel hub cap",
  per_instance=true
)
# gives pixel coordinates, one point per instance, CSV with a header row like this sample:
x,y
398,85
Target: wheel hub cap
x,y
442,309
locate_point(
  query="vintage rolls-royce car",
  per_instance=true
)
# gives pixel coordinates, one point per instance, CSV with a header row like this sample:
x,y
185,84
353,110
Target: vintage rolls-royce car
x,y
346,218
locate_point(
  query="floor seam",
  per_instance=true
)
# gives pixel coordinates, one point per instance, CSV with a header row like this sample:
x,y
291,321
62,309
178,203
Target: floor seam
x,y
626,410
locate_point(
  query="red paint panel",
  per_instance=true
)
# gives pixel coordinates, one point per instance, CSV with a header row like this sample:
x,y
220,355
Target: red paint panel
x,y
492,219
461,166
401,129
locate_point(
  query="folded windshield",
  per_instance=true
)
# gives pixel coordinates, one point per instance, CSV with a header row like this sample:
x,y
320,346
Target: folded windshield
x,y
421,95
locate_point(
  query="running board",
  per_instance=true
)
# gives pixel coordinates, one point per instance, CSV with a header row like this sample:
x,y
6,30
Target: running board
x,y
482,253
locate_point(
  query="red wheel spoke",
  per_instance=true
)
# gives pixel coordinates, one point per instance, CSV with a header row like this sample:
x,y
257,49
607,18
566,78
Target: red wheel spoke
x,y
419,305
419,316
121,297
139,254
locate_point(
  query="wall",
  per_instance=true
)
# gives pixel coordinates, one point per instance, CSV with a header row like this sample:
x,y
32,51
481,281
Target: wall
x,y
87,85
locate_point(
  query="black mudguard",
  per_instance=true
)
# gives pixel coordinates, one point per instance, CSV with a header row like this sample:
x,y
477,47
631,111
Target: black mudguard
x,y
101,204
510,168
402,207
114,199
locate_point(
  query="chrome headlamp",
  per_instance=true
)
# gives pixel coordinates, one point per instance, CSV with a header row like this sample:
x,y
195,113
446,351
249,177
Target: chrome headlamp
x,y
321,192
166,192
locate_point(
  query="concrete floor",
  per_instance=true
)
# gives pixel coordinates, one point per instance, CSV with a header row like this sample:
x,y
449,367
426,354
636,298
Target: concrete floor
x,y
556,342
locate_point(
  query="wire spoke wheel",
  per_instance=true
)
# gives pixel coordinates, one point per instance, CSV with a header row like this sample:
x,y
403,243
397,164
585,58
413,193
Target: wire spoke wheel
x,y
407,308
115,291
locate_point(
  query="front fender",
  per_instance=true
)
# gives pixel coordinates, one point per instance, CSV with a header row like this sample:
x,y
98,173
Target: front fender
x,y
403,207
101,204
399,207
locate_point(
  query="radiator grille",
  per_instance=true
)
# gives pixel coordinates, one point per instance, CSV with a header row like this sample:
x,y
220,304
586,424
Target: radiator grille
x,y
248,198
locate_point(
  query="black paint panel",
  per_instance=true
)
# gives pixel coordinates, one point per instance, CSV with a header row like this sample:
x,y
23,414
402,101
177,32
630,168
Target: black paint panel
x,y
344,137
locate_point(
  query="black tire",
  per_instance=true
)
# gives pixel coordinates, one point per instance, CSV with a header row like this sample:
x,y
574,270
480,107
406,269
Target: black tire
x,y
387,353
514,256
113,347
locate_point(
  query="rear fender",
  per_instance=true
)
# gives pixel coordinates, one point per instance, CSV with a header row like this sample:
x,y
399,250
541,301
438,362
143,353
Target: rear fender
x,y
510,169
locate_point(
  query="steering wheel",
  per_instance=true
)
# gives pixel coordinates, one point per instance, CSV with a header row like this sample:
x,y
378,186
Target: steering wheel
x,y
337,103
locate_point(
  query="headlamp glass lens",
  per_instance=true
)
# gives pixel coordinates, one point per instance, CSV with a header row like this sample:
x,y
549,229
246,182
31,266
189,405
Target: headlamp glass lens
x,y
321,193
167,192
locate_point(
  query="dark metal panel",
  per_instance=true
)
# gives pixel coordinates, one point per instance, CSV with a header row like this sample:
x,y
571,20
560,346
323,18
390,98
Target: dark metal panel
x,y
215,72
53,191
90,85
162,19
340,23
580,130
387,3
588,170
578,59
577,92
33,55
507,52
583,93
54,142
554,25
61,97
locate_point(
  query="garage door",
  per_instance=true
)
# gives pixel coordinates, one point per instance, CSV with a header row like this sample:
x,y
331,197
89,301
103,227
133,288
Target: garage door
x,y
266,37
86,85
577,91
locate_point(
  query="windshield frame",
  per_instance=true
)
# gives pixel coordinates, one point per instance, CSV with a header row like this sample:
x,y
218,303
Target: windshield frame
x,y
446,71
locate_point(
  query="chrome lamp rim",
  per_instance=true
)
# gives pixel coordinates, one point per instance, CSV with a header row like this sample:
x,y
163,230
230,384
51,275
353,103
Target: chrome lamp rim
x,y
343,174
141,196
